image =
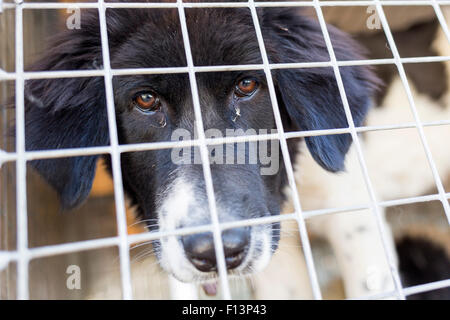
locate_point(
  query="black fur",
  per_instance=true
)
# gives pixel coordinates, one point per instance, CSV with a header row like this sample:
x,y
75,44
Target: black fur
x,y
422,261
311,96
72,112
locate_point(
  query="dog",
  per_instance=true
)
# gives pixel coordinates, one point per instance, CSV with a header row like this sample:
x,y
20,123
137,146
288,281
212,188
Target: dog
x,y
71,113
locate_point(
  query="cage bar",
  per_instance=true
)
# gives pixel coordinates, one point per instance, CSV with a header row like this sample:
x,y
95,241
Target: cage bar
x,y
23,254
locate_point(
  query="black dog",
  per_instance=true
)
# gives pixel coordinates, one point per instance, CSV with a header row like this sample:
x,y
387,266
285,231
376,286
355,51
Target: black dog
x,y
68,113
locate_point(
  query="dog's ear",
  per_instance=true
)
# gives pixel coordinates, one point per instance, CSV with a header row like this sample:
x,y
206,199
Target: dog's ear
x,y
310,96
71,112
68,113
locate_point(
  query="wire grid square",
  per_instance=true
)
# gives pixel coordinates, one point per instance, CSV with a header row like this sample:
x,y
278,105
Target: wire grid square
x,y
23,254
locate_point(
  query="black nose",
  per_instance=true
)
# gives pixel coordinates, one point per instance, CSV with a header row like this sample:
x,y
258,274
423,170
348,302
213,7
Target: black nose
x,y
200,251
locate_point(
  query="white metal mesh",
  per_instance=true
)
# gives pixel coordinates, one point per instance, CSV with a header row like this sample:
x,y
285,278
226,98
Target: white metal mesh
x,y
22,255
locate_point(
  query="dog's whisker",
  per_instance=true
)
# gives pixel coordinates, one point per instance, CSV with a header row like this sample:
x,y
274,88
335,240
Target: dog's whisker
x,y
140,259
144,255
143,222
152,242
149,265
282,233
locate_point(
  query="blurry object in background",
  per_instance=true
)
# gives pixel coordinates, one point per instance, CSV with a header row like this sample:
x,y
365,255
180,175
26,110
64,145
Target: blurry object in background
x,y
355,19
103,187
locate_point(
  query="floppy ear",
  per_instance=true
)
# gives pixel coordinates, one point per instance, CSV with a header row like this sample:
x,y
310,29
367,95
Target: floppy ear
x,y
67,113
71,112
311,96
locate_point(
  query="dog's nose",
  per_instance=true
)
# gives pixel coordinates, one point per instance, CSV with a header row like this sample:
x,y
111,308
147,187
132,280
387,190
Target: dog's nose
x,y
200,251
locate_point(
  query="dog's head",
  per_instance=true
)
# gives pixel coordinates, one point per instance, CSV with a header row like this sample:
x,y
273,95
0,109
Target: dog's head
x,y
168,184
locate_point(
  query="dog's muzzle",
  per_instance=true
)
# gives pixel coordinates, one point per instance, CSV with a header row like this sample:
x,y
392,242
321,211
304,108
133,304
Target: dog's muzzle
x,y
192,258
200,249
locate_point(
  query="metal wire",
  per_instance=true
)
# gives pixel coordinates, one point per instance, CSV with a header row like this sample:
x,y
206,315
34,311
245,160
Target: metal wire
x,y
218,246
375,209
115,160
138,71
22,255
154,5
21,169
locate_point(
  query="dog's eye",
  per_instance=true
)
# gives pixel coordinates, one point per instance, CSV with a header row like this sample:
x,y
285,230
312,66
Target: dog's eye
x,y
147,101
246,87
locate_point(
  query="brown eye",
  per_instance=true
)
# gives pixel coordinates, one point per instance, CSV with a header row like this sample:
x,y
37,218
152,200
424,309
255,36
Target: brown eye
x,y
147,101
246,87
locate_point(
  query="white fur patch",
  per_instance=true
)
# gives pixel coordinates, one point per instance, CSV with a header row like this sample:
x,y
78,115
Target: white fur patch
x,y
175,207
179,205
179,199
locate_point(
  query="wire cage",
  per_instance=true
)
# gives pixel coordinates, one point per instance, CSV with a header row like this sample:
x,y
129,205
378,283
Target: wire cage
x,y
34,263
